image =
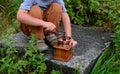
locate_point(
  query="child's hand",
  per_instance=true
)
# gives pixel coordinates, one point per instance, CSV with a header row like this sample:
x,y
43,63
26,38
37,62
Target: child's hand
x,y
49,26
73,42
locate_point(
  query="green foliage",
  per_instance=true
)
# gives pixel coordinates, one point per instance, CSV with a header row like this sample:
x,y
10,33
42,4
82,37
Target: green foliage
x,y
74,8
116,40
32,62
107,63
94,12
55,72
8,10
77,70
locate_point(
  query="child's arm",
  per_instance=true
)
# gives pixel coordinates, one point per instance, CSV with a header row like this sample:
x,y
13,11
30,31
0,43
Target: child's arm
x,y
66,23
25,18
67,27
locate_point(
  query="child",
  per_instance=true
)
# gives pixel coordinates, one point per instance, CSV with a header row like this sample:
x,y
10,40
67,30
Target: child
x,y
42,18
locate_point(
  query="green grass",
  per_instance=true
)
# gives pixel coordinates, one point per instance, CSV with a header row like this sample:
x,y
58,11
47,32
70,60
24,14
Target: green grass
x,y
108,63
8,22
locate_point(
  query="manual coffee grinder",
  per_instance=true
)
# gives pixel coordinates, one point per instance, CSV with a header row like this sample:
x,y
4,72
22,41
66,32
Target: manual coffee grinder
x,y
63,51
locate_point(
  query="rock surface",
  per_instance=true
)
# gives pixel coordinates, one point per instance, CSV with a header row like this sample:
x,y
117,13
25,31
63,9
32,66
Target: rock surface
x,y
91,43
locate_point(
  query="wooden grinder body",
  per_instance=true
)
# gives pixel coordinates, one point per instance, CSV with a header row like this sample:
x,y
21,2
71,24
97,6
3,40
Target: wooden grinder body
x,y
63,51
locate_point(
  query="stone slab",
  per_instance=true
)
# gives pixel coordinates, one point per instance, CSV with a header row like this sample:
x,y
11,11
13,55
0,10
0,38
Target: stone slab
x,y
91,43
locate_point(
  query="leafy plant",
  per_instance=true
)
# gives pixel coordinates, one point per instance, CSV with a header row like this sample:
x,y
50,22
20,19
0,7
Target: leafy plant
x,y
55,72
8,10
94,12
32,62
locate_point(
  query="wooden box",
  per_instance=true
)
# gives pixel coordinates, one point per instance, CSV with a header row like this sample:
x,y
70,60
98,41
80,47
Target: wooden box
x,y
63,51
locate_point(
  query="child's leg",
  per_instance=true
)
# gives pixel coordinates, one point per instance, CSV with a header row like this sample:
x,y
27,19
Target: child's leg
x,y
53,14
36,12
